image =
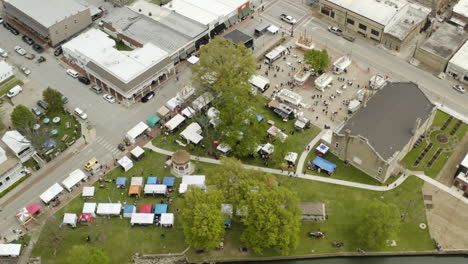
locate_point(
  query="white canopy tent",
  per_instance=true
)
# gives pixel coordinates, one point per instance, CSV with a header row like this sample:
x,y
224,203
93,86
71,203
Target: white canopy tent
x,y
188,112
202,101
192,133
193,59
126,163
175,122
12,250
70,219
291,157
73,179
224,148
51,193
108,209
89,208
88,191
136,181
142,219
196,180
167,220
163,111
137,152
213,116
173,103
341,64
323,81
266,148
273,29
136,131
155,189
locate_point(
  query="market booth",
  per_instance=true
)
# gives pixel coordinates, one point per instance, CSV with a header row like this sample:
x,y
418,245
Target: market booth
x,y
85,219
163,112
89,208
70,219
74,178
10,250
322,149
108,209
33,208
174,123
134,190
146,208
51,193
160,209
155,189
152,180
137,153
169,181
153,120
88,191
136,132
142,219
167,220
291,158
129,210
323,164
192,133
120,182
23,216
126,163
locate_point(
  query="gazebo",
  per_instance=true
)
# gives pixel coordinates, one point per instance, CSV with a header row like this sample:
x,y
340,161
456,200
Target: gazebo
x,y
181,164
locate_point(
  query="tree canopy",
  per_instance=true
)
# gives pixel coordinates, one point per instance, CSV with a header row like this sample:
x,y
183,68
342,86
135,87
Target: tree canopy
x,y
380,223
272,219
22,119
318,59
202,219
87,254
54,99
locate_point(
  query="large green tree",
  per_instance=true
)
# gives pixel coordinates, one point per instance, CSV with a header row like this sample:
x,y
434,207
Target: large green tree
x,y
272,219
202,219
87,254
22,119
380,223
54,99
317,59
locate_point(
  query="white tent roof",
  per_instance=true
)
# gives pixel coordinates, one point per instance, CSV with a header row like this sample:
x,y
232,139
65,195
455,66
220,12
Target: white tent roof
x,y
174,122
290,97
137,151
89,208
188,112
275,52
51,193
193,59
136,131
202,101
155,188
192,133
173,103
273,29
197,180
136,181
142,218
259,81
342,62
70,219
108,208
15,141
88,191
268,148
167,219
10,249
291,157
223,147
126,163
74,178
323,80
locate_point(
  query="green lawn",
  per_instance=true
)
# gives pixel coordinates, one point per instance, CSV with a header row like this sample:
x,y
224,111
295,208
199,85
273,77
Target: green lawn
x,y
298,141
114,235
438,122
8,84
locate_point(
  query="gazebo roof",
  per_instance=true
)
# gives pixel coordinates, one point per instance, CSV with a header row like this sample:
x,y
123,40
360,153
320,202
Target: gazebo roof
x,y
180,157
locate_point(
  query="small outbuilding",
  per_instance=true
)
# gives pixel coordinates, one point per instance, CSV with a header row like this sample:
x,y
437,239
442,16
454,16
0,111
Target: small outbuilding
x,y
10,250
313,211
70,219
181,164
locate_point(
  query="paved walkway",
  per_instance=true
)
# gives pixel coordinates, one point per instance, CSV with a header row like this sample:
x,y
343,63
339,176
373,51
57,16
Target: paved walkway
x,y
304,154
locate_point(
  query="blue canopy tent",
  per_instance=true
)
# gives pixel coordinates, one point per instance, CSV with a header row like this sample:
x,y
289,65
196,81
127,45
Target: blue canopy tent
x,y
324,164
129,209
160,209
169,181
120,182
49,144
153,120
259,117
152,180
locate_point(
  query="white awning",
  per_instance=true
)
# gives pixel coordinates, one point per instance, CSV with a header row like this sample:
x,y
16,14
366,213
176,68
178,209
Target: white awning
x,y
188,112
10,250
89,208
51,193
137,152
174,122
74,178
192,133
140,218
136,181
291,157
196,180
70,219
273,29
137,131
109,208
193,59
173,103
88,191
155,189
225,148
167,219
126,163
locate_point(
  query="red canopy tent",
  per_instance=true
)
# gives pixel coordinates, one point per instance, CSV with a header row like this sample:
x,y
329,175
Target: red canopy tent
x,y
85,219
146,208
33,208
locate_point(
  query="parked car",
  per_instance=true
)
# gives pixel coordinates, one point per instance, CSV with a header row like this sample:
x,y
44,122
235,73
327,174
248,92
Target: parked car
x,y
459,88
37,48
58,51
84,80
348,37
288,19
96,89
25,70
80,113
30,56
14,31
73,73
147,97
3,53
335,30
42,105
28,40
14,91
64,99
109,98
20,50
36,111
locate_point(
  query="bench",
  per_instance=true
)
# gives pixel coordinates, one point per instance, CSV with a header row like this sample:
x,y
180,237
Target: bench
x,y
64,138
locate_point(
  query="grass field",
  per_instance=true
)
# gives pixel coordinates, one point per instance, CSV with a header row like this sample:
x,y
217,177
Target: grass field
x,y
8,84
298,140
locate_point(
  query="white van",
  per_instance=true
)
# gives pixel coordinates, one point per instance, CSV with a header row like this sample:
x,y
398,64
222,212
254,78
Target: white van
x,y
73,73
14,91
3,53
260,82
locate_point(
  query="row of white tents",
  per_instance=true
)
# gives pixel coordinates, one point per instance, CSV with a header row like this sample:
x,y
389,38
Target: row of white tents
x,y
73,179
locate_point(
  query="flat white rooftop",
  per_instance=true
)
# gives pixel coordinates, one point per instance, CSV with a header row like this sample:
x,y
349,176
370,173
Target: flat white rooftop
x,y
460,58
461,8
378,11
96,46
405,20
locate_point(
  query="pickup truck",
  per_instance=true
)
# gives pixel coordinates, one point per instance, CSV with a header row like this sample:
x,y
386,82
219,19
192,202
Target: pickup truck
x,y
288,19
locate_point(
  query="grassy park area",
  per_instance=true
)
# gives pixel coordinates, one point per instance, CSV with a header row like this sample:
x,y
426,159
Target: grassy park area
x,y
298,140
9,83
444,133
